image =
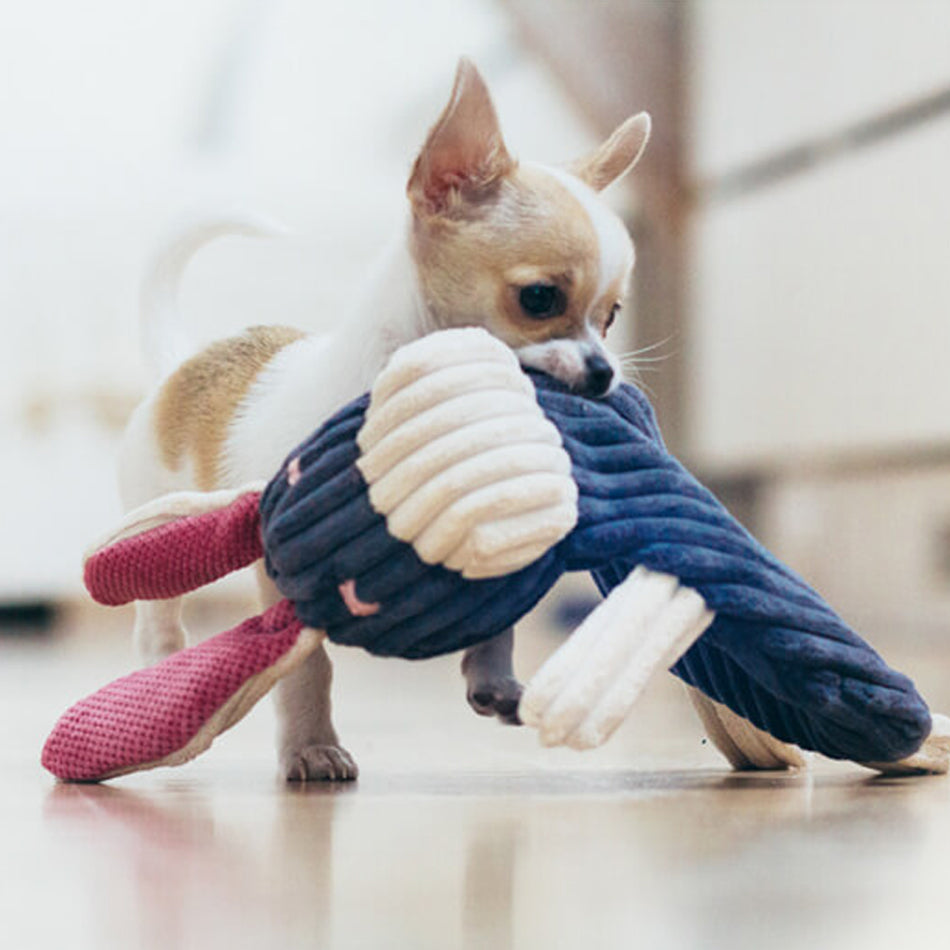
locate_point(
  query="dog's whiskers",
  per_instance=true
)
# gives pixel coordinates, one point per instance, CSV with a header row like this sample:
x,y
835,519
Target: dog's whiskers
x,y
639,360
646,349
634,363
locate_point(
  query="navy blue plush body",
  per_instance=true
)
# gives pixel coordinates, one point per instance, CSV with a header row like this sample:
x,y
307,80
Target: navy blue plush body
x,y
776,652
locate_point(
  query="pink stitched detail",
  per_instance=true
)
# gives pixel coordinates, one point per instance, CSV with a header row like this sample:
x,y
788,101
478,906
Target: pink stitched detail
x,y
357,607
293,471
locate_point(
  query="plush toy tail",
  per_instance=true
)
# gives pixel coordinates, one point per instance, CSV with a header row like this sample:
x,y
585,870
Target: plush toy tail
x,y
169,713
175,544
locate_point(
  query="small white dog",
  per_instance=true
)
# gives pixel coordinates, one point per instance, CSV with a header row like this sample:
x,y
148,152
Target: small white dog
x,y
526,251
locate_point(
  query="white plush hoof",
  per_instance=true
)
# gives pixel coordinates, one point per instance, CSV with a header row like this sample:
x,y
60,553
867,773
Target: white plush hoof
x,y
587,688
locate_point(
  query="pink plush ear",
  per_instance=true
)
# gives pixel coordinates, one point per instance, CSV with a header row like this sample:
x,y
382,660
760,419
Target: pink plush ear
x,y
174,545
171,712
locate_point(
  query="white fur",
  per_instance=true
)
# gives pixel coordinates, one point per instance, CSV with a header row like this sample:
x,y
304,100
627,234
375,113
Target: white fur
x,y
165,343
616,248
308,380
300,388
142,472
566,358
304,384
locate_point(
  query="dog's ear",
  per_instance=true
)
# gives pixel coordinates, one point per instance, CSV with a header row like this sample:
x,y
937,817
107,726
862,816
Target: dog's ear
x,y
464,155
617,155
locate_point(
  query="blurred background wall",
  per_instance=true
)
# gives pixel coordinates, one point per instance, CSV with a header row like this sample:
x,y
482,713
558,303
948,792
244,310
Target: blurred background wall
x,y
120,120
819,291
791,216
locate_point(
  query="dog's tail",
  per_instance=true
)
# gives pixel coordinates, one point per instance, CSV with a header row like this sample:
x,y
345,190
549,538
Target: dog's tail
x,y
165,342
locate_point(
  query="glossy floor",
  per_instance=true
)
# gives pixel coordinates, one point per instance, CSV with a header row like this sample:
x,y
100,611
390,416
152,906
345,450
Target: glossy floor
x,y
459,834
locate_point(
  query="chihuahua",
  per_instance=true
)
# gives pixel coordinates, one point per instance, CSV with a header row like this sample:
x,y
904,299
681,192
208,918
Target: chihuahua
x,y
529,252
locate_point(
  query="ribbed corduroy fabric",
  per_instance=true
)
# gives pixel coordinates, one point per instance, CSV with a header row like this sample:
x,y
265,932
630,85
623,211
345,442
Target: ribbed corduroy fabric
x,y
776,653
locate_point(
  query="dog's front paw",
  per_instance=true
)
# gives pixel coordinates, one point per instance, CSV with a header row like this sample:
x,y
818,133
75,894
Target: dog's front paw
x,y
319,763
496,697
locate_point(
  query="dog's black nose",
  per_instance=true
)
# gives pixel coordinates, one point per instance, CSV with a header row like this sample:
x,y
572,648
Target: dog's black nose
x,y
599,375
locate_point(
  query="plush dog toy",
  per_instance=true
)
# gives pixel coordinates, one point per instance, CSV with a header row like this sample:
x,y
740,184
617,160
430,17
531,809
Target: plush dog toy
x,y
432,515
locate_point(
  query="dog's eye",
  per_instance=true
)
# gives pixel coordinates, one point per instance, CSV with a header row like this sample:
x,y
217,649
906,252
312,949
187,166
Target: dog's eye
x,y
609,322
542,301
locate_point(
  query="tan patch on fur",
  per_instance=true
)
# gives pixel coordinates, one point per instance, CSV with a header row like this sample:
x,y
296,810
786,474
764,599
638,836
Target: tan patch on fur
x,y
615,293
530,230
197,403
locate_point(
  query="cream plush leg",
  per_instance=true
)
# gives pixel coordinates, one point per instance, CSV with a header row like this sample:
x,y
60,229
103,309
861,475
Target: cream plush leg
x,y
745,746
585,690
748,748
933,757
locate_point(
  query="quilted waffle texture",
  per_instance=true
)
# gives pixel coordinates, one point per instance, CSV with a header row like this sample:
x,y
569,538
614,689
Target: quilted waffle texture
x,y
168,713
172,558
776,653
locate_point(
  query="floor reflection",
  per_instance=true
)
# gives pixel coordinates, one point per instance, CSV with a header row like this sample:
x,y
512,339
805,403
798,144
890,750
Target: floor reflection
x,y
177,870
458,835
490,869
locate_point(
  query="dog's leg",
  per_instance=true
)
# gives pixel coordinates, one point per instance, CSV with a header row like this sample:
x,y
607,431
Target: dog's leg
x,y
158,630
491,687
308,747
